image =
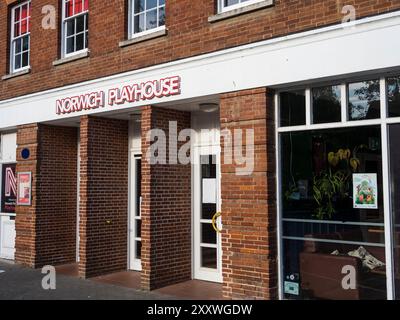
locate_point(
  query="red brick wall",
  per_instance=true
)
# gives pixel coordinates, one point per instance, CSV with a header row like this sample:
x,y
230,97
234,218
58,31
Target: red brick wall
x,y
46,231
25,221
189,34
103,196
249,240
166,209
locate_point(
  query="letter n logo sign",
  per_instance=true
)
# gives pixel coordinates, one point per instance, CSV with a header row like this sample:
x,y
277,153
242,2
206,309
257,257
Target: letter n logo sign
x,y
11,183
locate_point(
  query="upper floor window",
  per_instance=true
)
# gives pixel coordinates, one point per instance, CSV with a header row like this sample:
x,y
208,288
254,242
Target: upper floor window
x,y
146,16
227,5
74,26
20,36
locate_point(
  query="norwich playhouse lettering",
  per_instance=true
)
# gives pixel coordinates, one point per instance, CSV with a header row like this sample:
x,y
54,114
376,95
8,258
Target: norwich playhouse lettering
x,y
117,96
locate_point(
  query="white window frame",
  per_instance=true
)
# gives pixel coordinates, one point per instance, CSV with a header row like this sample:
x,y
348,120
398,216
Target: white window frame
x,y
64,21
131,15
384,121
222,8
14,39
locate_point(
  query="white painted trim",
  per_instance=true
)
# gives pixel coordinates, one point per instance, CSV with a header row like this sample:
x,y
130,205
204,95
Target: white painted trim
x,y
134,153
222,8
270,63
279,232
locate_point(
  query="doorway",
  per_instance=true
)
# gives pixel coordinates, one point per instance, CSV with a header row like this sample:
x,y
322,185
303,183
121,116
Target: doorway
x,y
206,226
135,219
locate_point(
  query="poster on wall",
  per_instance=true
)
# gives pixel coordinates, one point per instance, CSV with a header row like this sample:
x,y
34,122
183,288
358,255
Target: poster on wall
x,y
24,188
8,188
365,191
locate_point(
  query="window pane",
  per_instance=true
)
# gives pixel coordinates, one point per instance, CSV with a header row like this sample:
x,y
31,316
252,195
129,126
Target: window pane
x,y
24,26
139,6
326,104
25,59
80,24
139,23
209,258
138,249
138,228
293,108
17,62
69,8
70,27
208,166
150,4
161,16
161,2
80,41
393,96
208,210
364,100
17,14
78,6
18,45
70,44
151,19
230,2
86,39
324,227
17,31
25,41
208,234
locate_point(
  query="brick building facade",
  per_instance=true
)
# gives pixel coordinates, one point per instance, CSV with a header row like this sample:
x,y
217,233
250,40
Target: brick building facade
x,y
89,87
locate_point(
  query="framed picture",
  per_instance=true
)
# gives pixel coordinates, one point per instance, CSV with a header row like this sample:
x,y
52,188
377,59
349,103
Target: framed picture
x,y
365,191
24,188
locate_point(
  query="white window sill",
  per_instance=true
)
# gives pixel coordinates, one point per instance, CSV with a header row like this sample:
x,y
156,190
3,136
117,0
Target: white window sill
x,y
140,37
74,57
16,74
241,10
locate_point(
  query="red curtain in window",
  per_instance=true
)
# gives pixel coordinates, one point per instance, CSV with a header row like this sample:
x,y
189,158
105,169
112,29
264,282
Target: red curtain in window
x,y
22,20
73,7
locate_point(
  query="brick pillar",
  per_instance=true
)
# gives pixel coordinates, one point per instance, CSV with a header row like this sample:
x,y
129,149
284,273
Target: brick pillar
x,y
166,208
46,230
103,190
249,241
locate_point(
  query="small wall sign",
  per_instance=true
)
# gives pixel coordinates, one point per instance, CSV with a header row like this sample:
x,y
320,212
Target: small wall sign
x,y
365,191
292,288
24,188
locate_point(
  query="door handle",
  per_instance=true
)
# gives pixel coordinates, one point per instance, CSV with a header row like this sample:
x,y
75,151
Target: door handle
x,y
214,222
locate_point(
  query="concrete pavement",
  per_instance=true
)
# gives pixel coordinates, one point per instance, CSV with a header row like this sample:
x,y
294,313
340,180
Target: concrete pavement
x,y
19,283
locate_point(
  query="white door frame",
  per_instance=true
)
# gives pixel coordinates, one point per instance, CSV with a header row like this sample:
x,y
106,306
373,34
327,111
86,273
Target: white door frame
x,y
134,263
199,272
78,198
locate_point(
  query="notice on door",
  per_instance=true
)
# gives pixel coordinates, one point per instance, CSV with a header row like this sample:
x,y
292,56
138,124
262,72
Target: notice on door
x,y
209,191
24,188
365,191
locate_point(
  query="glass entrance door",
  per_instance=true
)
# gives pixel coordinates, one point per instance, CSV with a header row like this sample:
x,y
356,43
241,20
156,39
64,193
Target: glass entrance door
x,y
207,240
135,219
